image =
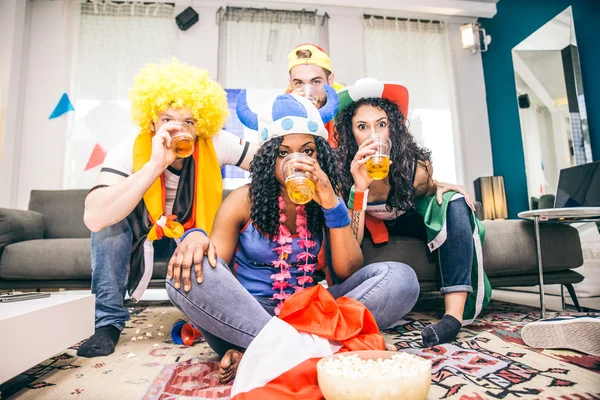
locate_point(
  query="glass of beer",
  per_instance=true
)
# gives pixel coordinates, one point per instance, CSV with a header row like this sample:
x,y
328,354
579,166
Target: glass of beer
x,y
300,189
310,94
182,142
378,165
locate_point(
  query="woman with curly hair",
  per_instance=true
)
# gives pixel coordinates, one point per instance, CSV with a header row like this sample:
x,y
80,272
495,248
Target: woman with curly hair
x,y
273,244
403,203
146,194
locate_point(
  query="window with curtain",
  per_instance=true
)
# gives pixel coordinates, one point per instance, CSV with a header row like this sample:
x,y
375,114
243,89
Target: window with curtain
x,y
254,44
113,42
415,54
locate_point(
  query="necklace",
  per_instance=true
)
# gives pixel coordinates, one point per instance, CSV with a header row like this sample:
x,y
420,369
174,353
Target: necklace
x,y
284,240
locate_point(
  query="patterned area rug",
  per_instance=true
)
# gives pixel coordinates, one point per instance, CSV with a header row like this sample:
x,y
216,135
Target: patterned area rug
x,y
488,361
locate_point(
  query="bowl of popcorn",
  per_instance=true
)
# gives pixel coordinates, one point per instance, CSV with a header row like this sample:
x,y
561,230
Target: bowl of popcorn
x,y
375,375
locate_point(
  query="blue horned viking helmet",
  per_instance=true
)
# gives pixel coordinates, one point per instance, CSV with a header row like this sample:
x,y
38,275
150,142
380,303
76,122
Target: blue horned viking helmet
x,y
288,114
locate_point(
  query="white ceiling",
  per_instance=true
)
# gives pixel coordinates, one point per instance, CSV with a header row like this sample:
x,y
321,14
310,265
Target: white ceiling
x,y
556,34
540,74
548,69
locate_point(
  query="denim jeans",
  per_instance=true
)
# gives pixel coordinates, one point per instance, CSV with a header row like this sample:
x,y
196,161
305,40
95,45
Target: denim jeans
x,y
456,254
230,317
111,251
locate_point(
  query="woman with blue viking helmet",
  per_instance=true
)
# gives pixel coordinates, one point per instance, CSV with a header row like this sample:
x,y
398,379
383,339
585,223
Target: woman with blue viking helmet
x,y
275,243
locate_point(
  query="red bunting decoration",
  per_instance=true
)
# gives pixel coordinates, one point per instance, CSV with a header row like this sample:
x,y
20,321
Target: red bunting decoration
x,y
96,158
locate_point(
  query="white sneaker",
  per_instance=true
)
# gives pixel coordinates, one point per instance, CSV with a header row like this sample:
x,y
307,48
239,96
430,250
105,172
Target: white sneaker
x,y
579,333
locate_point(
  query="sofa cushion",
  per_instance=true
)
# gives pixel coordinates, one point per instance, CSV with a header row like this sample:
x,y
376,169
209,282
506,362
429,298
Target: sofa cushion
x,y
509,247
160,270
410,251
62,211
47,259
550,278
19,225
63,259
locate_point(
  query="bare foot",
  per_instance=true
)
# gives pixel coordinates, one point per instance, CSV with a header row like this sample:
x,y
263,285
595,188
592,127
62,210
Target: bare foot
x,y
390,347
229,365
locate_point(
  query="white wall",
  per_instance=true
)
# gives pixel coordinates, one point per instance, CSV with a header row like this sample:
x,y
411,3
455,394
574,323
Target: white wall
x,y
14,17
561,133
7,28
46,75
346,45
199,45
474,148
40,162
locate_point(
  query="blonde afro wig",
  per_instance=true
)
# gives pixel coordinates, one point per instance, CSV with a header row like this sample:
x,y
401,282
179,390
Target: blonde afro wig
x,y
177,85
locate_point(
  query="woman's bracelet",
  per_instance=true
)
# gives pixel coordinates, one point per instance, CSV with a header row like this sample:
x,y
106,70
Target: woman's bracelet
x,y
357,201
337,217
191,231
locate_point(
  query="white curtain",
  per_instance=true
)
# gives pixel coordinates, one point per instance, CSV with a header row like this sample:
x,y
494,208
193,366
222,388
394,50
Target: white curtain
x,y
114,41
531,133
415,54
254,44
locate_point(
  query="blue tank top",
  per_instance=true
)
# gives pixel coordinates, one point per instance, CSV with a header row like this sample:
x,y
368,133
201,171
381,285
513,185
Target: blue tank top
x,y
254,262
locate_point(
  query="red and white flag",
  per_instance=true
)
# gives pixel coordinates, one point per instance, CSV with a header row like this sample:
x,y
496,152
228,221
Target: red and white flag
x,y
280,363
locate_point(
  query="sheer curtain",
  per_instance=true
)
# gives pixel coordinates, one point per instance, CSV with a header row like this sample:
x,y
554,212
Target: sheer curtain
x,y
415,53
531,131
114,41
254,44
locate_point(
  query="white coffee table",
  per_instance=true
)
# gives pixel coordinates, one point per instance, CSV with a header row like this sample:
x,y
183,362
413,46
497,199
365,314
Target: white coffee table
x,y
32,331
560,215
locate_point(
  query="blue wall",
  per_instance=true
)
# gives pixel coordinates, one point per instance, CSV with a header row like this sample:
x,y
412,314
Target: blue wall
x,y
514,22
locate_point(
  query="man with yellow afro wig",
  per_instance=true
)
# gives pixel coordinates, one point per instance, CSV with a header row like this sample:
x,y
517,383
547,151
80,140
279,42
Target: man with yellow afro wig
x,y
156,197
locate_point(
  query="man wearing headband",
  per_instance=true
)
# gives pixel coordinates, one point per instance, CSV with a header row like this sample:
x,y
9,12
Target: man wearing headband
x,y
308,64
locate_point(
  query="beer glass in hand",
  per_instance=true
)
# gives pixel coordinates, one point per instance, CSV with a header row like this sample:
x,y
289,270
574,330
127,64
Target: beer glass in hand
x,y
378,165
182,142
311,94
300,189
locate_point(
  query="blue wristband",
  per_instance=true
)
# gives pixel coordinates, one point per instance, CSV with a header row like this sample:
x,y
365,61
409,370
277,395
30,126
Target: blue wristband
x,y
190,231
337,217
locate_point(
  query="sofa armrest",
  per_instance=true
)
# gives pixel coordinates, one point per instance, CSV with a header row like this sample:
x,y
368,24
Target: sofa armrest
x,y
19,225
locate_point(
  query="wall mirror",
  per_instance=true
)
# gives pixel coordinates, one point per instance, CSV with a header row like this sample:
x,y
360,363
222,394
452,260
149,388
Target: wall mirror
x,y
551,104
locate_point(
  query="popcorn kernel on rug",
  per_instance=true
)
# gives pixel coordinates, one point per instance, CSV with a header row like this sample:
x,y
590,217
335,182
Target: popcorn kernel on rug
x,y
488,361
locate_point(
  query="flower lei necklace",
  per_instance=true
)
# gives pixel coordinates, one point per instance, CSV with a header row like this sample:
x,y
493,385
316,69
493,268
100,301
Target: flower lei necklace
x,y
284,240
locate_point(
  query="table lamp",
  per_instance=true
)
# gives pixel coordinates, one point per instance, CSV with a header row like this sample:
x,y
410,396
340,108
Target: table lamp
x,y
489,191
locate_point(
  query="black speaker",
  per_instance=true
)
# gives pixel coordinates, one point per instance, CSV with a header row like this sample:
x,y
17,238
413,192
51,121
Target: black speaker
x,y
524,101
186,18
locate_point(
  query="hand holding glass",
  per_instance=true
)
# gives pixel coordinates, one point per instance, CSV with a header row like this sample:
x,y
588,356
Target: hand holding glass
x,y
182,142
300,189
310,94
378,165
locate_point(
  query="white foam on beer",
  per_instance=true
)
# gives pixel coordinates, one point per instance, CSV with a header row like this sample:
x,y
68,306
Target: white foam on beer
x,y
400,365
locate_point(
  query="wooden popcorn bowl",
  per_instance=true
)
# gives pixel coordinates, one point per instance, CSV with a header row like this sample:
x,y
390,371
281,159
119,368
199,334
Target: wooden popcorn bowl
x,y
412,385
